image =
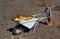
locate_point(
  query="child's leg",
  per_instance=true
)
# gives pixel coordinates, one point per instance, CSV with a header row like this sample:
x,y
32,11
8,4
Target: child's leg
x,y
49,21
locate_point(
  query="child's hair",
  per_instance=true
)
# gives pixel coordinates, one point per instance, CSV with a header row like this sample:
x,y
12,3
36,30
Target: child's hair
x,y
47,5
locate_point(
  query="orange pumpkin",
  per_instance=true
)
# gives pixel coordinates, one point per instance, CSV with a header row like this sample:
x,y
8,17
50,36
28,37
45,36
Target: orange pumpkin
x,y
26,18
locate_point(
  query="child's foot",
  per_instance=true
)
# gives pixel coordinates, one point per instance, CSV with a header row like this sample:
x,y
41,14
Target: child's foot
x,y
49,24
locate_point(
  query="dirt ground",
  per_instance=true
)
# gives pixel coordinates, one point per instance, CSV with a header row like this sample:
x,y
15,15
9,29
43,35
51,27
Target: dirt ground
x,y
11,8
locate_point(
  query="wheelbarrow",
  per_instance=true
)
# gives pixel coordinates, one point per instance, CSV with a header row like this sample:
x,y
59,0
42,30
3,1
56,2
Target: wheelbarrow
x,y
27,25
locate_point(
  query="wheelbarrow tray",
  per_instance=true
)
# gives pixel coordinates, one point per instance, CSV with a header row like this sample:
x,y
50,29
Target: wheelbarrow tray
x,y
30,23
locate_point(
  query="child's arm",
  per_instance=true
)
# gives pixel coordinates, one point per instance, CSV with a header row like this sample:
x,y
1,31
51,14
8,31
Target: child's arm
x,y
50,13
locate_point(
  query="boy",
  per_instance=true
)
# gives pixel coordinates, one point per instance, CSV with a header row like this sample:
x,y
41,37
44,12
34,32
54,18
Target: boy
x,y
48,14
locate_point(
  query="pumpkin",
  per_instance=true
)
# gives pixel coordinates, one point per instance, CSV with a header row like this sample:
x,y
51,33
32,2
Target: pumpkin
x,y
16,19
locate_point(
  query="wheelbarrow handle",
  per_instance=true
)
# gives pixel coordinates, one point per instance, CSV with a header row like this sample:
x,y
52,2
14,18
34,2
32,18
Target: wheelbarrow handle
x,y
36,15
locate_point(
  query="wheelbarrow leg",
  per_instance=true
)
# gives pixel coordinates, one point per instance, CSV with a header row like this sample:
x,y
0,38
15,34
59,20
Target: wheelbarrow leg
x,y
35,26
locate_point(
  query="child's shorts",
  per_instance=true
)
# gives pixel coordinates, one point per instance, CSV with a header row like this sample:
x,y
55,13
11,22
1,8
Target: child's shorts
x,y
48,15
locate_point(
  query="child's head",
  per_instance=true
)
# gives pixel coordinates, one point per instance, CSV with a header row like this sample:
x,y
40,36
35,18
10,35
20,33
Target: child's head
x,y
47,5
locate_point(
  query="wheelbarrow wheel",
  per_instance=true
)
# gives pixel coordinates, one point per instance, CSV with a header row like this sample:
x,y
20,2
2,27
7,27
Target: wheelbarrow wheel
x,y
17,31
